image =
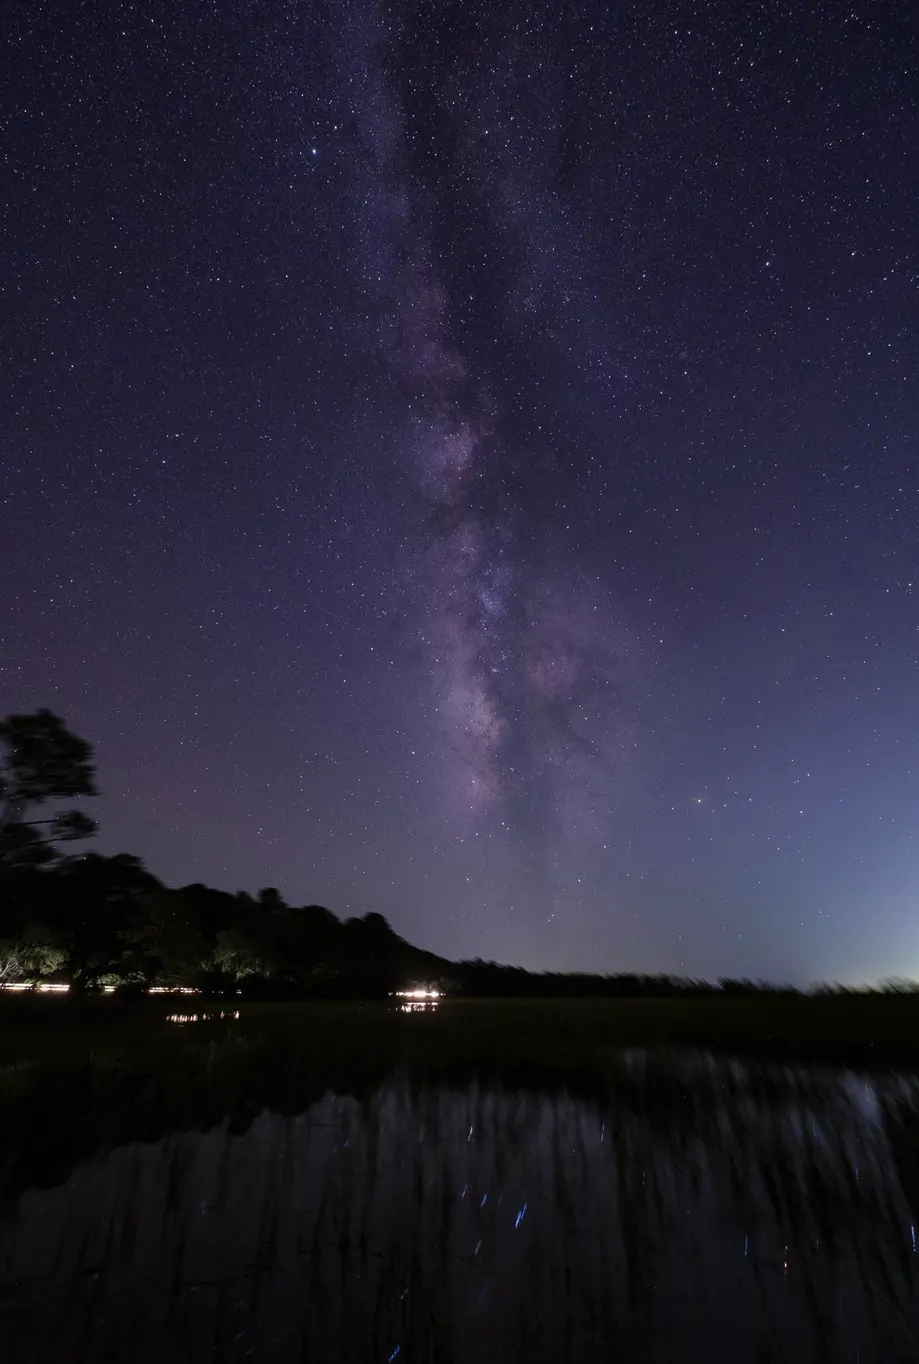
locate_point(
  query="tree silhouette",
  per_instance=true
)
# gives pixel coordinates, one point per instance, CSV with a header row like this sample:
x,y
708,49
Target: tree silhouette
x,y
41,761
92,913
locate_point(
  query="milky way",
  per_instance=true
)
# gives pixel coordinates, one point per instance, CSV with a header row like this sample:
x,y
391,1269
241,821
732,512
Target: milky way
x,y
530,669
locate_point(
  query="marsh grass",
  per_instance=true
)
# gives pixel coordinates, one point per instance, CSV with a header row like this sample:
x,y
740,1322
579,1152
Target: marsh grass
x,y
545,1040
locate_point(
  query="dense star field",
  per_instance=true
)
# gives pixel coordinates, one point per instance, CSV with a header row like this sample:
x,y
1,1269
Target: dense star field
x,y
460,461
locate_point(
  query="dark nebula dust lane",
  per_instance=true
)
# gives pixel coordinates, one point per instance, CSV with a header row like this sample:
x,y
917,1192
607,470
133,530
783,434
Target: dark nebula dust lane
x,y
460,462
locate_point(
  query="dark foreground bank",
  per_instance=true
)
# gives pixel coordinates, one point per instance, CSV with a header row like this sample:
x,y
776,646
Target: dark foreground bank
x,y
858,1029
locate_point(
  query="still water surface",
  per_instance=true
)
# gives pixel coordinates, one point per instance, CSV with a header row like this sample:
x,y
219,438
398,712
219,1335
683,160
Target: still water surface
x,y
697,1209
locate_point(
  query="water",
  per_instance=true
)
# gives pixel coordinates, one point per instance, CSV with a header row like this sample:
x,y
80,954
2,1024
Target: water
x,y
689,1209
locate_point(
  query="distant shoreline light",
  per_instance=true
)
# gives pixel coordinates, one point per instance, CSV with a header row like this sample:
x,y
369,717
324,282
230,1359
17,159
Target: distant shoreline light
x,y
45,987
61,987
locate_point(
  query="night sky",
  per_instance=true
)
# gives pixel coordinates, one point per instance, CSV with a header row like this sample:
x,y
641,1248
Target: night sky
x,y
460,460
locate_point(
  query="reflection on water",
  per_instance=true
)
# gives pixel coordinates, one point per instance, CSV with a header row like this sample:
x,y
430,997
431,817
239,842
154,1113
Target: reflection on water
x,y
214,1016
702,1210
421,999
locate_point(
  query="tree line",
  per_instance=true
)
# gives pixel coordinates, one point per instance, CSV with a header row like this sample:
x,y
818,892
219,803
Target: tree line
x,y
93,921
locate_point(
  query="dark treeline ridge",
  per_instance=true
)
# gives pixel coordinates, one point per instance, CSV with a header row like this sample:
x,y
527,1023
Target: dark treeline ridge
x,y
490,980
95,921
